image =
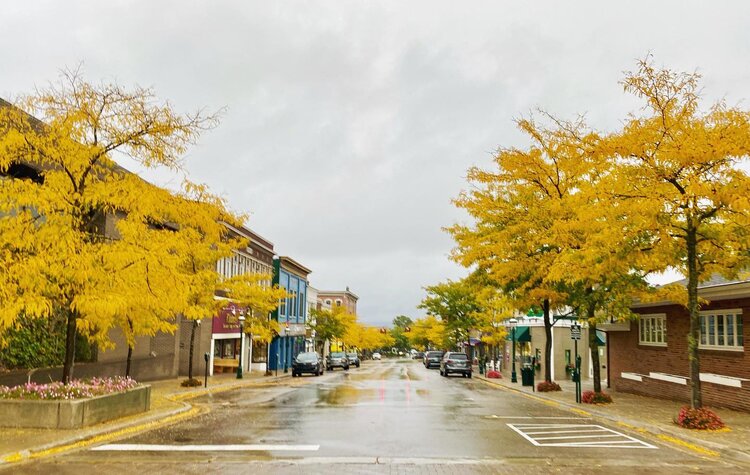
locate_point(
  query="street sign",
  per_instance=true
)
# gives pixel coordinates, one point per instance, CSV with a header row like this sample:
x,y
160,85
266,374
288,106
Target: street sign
x,y
575,332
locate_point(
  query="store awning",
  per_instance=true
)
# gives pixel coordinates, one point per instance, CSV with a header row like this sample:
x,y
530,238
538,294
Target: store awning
x,y
601,338
522,334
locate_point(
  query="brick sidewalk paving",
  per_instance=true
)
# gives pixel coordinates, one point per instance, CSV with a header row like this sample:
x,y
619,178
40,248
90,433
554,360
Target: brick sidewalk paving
x,y
167,404
652,415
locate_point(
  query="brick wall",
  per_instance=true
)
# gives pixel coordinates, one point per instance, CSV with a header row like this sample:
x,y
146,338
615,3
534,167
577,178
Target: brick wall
x,y
627,355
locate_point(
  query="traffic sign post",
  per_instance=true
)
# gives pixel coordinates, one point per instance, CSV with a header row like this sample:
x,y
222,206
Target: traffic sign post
x,y
575,335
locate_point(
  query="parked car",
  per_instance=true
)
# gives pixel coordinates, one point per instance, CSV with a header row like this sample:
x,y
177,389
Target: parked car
x,y
376,356
308,362
337,359
353,359
432,359
454,362
419,355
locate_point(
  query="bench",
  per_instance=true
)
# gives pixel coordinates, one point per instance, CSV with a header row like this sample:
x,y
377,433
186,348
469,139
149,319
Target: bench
x,y
225,365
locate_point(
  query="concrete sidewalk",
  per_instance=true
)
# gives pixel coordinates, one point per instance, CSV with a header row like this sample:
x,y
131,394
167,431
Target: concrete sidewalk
x,y
168,404
645,414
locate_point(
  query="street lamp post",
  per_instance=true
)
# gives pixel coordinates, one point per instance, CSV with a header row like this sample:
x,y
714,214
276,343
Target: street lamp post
x,y
289,350
241,318
513,322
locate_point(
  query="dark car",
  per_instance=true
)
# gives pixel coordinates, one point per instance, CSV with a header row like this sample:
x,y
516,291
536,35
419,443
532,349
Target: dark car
x,y
454,362
432,359
308,362
353,359
419,355
337,359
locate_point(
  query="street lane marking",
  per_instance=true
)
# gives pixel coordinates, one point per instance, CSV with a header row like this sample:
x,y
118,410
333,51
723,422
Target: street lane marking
x,y
583,435
494,416
206,448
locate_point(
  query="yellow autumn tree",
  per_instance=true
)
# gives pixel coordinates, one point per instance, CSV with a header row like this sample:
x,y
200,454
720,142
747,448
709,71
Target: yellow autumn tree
x,y
515,209
495,309
73,224
678,169
428,333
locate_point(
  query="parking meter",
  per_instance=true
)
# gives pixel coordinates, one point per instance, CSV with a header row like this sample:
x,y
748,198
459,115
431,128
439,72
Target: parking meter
x,y
205,376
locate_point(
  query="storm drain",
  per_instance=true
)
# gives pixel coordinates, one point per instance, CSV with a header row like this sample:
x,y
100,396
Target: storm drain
x,y
577,435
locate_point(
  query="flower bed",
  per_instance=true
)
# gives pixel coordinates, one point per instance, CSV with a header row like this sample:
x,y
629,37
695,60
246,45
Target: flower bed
x,y
701,419
79,404
77,389
590,397
545,386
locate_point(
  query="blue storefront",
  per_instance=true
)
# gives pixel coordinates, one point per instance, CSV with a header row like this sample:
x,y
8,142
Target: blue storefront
x,y
291,313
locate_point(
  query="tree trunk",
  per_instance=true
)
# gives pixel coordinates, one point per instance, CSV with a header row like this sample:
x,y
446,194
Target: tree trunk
x,y
548,342
594,343
192,345
127,364
696,399
130,350
70,347
594,346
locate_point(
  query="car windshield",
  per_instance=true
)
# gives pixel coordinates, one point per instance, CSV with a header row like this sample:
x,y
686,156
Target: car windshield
x,y
432,354
457,356
306,357
337,354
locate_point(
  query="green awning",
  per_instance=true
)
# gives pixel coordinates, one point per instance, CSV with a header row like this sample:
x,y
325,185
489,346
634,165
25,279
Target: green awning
x,y
522,334
601,338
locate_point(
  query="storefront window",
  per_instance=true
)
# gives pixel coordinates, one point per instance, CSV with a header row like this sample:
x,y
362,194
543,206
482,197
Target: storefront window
x,y
227,349
260,352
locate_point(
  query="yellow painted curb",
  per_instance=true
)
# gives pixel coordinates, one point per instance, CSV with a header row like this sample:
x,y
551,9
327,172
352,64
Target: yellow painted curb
x,y
688,445
20,456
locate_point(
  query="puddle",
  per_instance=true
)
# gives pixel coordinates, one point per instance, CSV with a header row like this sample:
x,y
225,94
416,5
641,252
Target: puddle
x,y
344,395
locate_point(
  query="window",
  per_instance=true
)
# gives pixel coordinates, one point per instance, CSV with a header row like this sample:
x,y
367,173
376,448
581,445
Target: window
x,y
652,330
721,330
338,302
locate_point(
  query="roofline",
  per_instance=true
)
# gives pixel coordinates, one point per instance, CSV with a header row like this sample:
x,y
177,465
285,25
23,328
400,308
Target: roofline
x,y
293,263
338,292
722,291
247,232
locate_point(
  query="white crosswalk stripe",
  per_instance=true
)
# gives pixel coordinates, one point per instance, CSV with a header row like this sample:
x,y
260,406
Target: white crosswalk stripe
x,y
577,435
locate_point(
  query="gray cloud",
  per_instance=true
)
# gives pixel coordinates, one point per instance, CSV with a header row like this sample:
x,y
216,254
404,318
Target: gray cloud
x,y
350,125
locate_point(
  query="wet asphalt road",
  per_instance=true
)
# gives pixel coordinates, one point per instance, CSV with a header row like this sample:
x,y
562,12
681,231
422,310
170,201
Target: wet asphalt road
x,y
385,417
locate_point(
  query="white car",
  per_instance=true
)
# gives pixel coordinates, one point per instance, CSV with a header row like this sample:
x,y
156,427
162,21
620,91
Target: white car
x,y
376,356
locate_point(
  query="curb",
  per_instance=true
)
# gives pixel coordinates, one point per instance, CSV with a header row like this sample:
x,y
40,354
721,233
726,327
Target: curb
x,y
147,422
701,447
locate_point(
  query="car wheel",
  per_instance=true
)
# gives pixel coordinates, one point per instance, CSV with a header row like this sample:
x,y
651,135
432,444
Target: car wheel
x,y
357,365
468,375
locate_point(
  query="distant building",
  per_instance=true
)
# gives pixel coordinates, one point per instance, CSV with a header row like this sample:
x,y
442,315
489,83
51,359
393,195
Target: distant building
x,y
339,298
650,356
291,313
531,341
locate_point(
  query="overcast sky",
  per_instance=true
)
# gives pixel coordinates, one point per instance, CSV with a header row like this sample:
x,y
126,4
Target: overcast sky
x,y
350,125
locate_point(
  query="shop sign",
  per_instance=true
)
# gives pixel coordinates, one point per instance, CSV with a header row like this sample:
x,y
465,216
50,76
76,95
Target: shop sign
x,y
227,321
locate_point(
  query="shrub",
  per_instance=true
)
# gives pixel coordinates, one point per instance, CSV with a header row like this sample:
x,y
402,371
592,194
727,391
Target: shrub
x,y
547,386
590,397
494,374
701,419
76,389
191,383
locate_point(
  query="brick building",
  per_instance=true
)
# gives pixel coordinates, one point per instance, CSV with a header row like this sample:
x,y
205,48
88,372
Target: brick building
x,y
650,357
338,298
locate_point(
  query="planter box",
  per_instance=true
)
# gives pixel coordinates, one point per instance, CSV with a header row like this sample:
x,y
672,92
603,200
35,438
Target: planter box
x,y
74,413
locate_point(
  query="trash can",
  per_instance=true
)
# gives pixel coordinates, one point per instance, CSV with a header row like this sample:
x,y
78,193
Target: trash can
x,y
527,376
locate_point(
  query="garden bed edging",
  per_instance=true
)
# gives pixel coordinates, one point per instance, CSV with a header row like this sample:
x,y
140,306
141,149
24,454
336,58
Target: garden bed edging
x,y
74,413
